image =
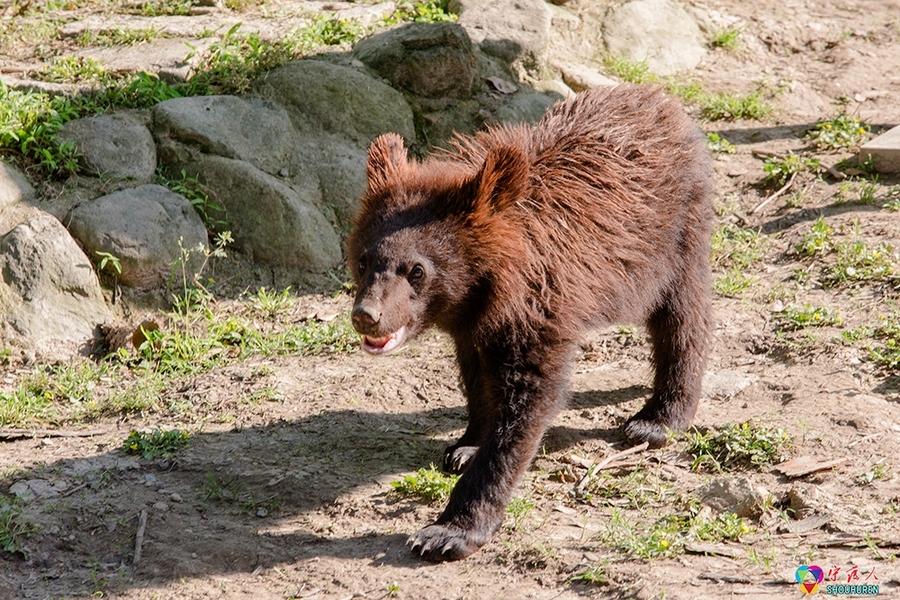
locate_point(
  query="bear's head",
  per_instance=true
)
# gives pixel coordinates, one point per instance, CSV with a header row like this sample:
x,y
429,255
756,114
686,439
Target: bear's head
x,y
421,241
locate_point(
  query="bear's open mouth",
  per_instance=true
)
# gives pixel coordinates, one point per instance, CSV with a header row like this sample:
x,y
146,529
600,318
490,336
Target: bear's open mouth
x,y
384,344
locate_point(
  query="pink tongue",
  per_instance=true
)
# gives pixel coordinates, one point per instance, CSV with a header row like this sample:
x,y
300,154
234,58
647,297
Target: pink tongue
x,y
378,342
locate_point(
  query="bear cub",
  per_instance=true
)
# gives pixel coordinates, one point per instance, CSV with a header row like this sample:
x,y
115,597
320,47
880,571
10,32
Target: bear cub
x,y
515,242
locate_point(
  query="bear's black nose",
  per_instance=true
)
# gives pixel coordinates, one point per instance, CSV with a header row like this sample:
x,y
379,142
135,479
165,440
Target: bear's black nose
x,y
365,317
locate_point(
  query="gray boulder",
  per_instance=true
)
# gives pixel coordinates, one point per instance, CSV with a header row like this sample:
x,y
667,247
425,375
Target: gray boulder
x,y
249,130
656,31
321,96
332,164
146,228
270,221
49,294
115,145
14,186
524,107
432,60
515,31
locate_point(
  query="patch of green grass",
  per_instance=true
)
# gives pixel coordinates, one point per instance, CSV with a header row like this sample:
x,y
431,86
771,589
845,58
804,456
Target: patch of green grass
x,y
639,488
242,5
328,30
29,121
743,446
167,8
733,283
272,305
669,535
868,192
628,70
843,131
178,351
428,484
430,11
887,356
592,575
13,528
717,143
313,338
231,64
737,247
858,262
21,406
730,106
212,214
727,38
798,317
72,69
157,443
117,37
518,509
817,240
780,169
873,473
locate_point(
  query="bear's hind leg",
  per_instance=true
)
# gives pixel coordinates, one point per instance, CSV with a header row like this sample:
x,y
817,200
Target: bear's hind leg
x,y
680,330
481,411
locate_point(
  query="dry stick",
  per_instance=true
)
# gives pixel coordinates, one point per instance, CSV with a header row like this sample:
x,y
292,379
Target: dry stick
x,y
840,176
75,489
606,461
12,434
139,538
775,195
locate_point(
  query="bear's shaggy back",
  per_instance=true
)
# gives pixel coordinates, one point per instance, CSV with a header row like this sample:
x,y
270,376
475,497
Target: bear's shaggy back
x,y
617,189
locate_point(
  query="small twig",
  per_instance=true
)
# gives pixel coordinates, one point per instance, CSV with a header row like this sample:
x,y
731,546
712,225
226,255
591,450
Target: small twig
x,y
783,189
139,538
765,154
839,175
75,489
14,434
592,470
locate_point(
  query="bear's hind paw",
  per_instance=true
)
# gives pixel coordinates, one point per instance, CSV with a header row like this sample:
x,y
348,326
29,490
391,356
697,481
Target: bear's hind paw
x,y
639,430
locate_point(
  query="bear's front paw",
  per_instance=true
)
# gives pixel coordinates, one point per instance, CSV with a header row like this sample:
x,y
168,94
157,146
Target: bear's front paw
x,y
457,458
639,430
439,543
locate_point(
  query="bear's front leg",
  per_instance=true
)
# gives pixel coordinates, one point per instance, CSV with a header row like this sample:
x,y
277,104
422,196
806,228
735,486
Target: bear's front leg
x,y
482,409
530,387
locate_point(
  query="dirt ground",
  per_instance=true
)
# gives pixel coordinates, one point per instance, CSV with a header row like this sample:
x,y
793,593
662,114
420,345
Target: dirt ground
x,y
290,496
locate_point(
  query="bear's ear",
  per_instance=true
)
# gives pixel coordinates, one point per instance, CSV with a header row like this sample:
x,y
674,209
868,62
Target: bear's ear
x,y
386,160
502,181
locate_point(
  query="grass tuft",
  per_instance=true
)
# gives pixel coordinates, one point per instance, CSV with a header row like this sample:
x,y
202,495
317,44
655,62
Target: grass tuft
x,y
428,484
157,443
744,446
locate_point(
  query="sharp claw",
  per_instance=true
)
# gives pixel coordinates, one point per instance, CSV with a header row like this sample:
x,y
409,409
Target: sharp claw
x,y
428,546
447,547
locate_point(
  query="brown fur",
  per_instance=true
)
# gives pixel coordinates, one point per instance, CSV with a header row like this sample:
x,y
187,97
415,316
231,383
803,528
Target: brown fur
x,y
515,242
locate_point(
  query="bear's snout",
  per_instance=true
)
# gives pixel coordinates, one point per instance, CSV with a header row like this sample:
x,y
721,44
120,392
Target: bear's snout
x,y
365,317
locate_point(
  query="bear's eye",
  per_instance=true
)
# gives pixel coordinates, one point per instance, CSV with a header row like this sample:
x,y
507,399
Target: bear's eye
x,y
361,265
417,273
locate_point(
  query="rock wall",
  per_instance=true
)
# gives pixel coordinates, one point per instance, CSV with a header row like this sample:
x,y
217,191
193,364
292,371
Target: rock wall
x,y
283,166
